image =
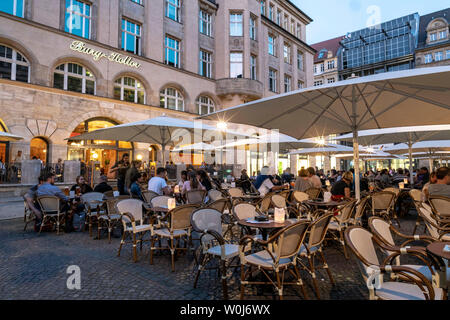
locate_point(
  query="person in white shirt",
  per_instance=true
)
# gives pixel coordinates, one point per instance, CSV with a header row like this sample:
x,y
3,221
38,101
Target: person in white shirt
x,y
315,180
264,184
158,183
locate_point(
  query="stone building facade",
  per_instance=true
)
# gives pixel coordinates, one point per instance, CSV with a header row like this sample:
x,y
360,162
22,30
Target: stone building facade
x,y
69,66
326,61
434,40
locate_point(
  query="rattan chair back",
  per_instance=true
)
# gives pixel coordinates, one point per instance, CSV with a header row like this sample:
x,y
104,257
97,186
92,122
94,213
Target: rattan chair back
x,y
92,199
345,212
49,204
313,193
278,201
215,195
440,206
289,240
300,196
148,195
196,196
160,201
382,200
430,222
244,211
266,203
416,195
318,230
180,217
133,207
206,219
235,192
381,229
393,190
219,205
360,209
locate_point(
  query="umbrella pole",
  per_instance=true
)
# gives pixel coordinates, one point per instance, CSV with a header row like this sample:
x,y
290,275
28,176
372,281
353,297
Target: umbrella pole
x,y
411,178
163,156
355,146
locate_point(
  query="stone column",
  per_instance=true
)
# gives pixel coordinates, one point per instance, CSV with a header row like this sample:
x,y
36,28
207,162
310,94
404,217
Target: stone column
x,y
31,169
294,162
312,161
71,170
326,164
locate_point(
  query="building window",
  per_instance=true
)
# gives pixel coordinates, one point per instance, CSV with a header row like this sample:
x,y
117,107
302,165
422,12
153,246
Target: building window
x,y
287,53
131,37
252,28
318,83
292,26
172,48
300,61
287,83
253,74
78,18
428,58
322,67
443,35
74,77
205,23
272,80
205,64
271,16
331,64
279,17
285,22
331,80
173,10
433,36
129,89
272,45
439,56
13,65
14,7
447,54
236,65
137,1
263,7
236,25
171,98
300,84
299,31
205,105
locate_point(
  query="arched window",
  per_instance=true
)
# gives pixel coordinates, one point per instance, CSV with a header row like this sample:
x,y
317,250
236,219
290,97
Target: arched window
x,y
74,77
171,98
129,89
39,149
13,65
205,105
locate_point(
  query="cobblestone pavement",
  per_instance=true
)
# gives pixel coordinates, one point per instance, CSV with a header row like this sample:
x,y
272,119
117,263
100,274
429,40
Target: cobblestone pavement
x,y
34,267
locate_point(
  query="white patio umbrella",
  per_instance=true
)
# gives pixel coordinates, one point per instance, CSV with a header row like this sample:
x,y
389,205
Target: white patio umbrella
x,y
404,98
429,147
408,135
6,136
159,130
201,146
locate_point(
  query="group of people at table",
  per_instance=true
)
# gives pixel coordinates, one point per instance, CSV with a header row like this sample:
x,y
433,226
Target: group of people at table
x,y
131,182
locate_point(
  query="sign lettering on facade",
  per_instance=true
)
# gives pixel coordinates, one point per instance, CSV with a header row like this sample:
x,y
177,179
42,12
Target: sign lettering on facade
x,y
80,46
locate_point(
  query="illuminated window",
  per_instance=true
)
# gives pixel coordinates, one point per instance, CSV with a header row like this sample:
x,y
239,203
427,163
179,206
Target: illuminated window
x,y
171,98
205,105
74,77
129,89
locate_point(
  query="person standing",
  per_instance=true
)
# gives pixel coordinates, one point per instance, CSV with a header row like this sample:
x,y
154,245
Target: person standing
x,y
121,168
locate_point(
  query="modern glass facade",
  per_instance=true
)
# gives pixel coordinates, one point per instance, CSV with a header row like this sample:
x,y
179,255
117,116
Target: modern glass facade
x,y
382,48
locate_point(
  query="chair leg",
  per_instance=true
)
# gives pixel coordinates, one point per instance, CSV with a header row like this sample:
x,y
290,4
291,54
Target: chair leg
x,y
313,275
99,227
57,225
325,266
134,248
416,226
279,285
200,267
302,285
152,247
341,236
122,241
109,231
90,225
172,254
224,280
44,219
242,281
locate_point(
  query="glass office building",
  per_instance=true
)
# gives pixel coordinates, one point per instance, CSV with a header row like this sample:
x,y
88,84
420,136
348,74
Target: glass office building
x,y
381,48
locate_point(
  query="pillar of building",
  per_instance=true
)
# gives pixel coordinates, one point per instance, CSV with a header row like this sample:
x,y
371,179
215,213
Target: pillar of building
x,y
312,161
326,164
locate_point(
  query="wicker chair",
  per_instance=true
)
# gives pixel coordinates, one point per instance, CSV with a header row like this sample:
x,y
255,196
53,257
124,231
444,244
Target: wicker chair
x,y
93,202
279,255
235,192
244,211
265,204
108,194
299,198
148,195
360,210
441,209
133,224
160,201
418,287
383,205
313,193
436,231
208,222
340,222
111,219
196,196
416,195
28,214
215,195
178,228
219,205
50,206
317,231
279,201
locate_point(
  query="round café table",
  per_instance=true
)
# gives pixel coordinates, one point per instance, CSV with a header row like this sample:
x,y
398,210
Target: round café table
x,y
263,226
327,206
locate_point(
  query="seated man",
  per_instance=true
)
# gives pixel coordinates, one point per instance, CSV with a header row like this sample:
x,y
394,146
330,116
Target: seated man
x,y
158,183
342,188
264,183
30,197
81,183
442,185
48,188
303,182
103,186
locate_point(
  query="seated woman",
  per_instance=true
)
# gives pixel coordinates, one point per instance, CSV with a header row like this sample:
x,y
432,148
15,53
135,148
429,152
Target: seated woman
x,y
81,183
342,188
303,182
135,186
204,179
191,184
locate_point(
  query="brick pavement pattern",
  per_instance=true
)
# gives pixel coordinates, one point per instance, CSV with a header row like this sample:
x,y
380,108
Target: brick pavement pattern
x,y
34,267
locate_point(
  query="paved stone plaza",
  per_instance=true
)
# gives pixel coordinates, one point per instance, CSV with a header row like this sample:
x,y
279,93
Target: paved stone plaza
x,y
34,267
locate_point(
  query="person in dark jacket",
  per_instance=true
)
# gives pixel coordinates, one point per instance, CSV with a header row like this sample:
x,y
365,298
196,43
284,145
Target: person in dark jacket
x,y
103,186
